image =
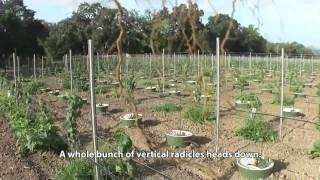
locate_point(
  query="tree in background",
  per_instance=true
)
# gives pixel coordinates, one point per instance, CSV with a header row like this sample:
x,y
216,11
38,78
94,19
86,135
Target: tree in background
x,y
178,30
20,32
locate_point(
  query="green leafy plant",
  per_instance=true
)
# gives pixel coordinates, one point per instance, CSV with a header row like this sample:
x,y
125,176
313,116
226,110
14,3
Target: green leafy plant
x,y
318,89
101,89
296,89
122,167
81,85
268,86
240,82
197,113
197,94
253,100
74,105
296,86
167,107
80,169
257,130
261,162
287,101
130,86
186,69
32,126
33,87
291,77
115,93
315,152
4,83
66,81
123,141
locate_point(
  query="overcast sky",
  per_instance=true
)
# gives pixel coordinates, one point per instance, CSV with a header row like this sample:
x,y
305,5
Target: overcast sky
x,y
278,20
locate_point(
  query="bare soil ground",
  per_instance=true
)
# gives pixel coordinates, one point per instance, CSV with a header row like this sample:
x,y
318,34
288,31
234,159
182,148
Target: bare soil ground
x,y
12,166
290,154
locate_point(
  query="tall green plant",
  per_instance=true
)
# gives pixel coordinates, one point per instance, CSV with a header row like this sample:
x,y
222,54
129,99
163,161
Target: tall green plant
x,y
74,105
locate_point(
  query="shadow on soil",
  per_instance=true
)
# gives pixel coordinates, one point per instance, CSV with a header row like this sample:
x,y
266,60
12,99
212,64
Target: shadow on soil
x,y
200,140
150,122
115,110
279,165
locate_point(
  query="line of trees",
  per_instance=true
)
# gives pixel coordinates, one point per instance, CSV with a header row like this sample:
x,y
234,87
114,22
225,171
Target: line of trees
x,y
177,30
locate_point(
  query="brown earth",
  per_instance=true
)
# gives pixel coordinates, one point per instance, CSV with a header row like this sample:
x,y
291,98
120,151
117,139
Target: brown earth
x,y
290,154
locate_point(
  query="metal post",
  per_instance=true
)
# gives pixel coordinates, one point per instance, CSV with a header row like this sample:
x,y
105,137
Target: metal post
x,y
267,62
108,63
34,67
18,62
218,93
212,63
300,63
93,107
98,64
229,61
150,67
282,89
270,66
174,64
194,63
14,71
163,70
66,63
312,64
225,60
127,66
302,59
250,62
198,59
70,66
42,66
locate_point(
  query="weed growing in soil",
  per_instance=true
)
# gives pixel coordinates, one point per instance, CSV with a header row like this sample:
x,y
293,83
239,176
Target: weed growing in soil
x,y
167,107
4,83
101,89
287,101
253,99
123,168
268,86
115,93
197,113
296,88
66,81
257,130
197,94
74,105
32,126
315,152
80,169
34,87
318,89
81,85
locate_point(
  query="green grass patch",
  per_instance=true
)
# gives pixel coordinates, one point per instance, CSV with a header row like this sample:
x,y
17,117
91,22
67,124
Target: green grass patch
x,y
197,114
287,100
34,87
167,107
80,169
256,129
315,152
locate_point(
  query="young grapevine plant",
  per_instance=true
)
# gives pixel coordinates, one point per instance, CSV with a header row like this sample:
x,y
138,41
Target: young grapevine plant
x,y
74,105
